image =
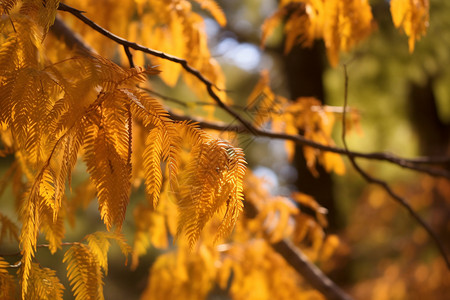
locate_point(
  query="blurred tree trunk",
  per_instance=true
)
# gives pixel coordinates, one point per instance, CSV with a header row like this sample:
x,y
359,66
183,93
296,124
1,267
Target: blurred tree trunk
x,y
434,140
304,71
432,133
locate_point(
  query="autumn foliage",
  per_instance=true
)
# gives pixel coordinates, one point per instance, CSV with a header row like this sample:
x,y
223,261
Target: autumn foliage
x,y
66,105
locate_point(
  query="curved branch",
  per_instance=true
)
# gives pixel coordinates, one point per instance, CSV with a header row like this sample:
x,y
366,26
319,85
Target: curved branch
x,y
301,264
127,44
386,187
246,127
412,164
129,56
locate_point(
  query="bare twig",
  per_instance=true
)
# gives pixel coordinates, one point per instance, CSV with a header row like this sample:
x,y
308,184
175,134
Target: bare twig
x,y
412,164
121,41
129,56
18,253
385,186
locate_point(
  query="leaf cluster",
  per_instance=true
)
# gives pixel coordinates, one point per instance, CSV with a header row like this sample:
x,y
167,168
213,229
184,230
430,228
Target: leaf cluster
x,y
56,112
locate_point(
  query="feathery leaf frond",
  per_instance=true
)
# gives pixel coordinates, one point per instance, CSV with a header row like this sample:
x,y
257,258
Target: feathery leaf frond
x,y
213,178
99,244
215,10
7,5
43,12
30,213
8,229
84,273
109,170
7,282
44,284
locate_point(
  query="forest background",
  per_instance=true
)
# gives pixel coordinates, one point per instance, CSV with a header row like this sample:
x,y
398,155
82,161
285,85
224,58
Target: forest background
x,y
398,96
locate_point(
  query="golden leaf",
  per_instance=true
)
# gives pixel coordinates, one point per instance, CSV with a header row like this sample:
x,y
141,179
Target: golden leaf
x,y
7,282
270,24
84,273
346,23
44,284
8,229
7,5
341,24
214,9
99,244
412,16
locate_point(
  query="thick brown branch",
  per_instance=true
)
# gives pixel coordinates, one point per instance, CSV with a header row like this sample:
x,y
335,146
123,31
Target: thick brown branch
x,y
302,265
386,187
315,277
121,41
70,38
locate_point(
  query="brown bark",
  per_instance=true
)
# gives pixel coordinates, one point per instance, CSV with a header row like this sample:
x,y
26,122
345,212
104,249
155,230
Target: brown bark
x,y
432,133
304,71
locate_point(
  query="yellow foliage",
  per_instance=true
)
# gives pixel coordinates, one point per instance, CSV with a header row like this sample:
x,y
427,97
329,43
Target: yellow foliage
x,y
214,9
8,229
182,275
340,23
260,273
154,226
57,109
304,115
281,218
54,109
212,180
172,27
412,16
7,283
346,22
43,284
247,267
84,273
86,262
7,5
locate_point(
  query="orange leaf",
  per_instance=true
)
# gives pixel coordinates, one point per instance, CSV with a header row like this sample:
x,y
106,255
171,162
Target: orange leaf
x,y
412,16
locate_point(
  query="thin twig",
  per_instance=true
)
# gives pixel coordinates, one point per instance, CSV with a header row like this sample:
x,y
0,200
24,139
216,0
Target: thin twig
x,y
40,246
412,164
385,186
129,56
121,41
174,100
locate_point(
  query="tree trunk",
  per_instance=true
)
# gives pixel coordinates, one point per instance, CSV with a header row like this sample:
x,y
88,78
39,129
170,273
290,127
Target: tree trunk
x,y
432,133
304,72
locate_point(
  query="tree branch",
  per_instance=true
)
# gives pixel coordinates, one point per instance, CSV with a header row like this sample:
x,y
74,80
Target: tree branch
x,y
385,186
301,264
412,164
18,253
313,275
70,38
129,56
246,127
289,252
121,41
